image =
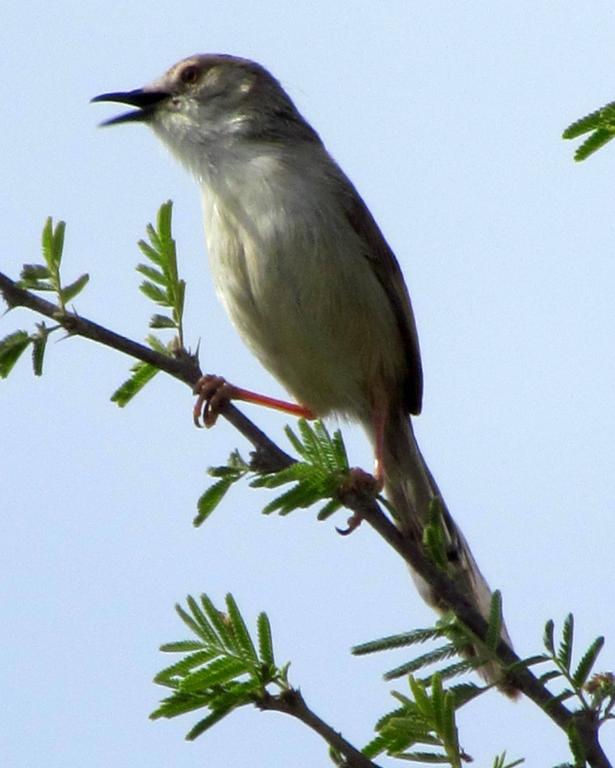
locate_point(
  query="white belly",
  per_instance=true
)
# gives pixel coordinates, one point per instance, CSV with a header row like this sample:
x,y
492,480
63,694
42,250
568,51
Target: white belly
x,y
302,295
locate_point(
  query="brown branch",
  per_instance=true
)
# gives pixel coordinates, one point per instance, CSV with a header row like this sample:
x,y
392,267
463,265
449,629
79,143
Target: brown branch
x,y
292,703
182,366
268,455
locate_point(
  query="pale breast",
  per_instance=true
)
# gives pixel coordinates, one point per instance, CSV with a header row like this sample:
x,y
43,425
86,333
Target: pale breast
x,y
296,285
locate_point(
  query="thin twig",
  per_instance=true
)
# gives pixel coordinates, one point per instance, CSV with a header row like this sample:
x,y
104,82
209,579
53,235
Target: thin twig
x,y
182,366
292,703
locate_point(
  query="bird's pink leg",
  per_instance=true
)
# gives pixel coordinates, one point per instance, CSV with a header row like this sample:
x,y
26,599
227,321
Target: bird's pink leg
x,y
213,391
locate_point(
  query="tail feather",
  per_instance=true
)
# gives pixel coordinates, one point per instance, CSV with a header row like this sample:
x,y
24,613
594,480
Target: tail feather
x,y
411,487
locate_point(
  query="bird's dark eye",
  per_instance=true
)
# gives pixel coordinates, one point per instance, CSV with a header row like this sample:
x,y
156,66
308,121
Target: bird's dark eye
x,y
189,74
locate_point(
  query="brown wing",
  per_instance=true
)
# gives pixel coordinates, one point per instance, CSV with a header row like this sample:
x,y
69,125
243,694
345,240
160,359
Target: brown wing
x,y
386,268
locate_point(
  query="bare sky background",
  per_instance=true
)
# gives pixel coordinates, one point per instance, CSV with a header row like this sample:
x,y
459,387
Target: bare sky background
x,y
447,116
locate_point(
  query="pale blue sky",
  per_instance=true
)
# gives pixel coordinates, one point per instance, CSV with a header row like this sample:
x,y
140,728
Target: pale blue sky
x,y
447,117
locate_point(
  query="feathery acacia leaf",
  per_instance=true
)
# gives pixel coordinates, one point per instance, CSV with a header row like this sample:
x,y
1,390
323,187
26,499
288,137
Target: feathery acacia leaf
x,y
155,293
200,628
209,500
182,667
500,762
587,662
576,745
494,628
69,292
431,657
154,275
11,349
583,125
564,654
39,345
265,641
595,142
317,477
218,621
207,722
222,671
181,646
161,321
398,641
242,637
434,537
142,374
601,122
548,637
234,470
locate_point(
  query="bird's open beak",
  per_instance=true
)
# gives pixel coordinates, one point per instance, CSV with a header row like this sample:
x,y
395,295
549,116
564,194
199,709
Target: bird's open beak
x,y
145,100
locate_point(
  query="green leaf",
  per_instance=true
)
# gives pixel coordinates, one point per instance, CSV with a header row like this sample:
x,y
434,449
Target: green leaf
x,y
453,670
69,292
182,667
142,374
529,661
588,660
597,140
200,627
465,692
181,646
500,762
207,722
47,245
566,694
437,703
178,704
220,671
265,640
219,622
242,637
434,537
155,275
161,321
204,623
564,654
421,698
11,349
210,500
39,344
332,506
58,242
154,293
424,757
551,675
576,745
34,272
397,641
579,127
548,637
494,628
152,254
445,652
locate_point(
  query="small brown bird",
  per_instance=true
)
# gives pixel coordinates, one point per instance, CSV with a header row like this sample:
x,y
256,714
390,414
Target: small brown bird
x,y
304,272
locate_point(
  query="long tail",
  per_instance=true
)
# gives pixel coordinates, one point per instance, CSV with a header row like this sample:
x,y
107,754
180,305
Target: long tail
x,y
410,487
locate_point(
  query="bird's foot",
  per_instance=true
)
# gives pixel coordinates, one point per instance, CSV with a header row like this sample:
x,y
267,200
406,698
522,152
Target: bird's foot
x,y
359,482
214,391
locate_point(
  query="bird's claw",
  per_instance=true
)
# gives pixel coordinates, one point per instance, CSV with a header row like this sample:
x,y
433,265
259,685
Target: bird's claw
x,y
358,482
212,392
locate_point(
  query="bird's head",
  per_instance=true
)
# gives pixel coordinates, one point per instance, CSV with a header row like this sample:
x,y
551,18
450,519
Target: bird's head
x,y
208,99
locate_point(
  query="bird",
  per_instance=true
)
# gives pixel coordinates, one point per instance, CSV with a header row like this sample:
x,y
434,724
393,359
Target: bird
x,y
306,276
